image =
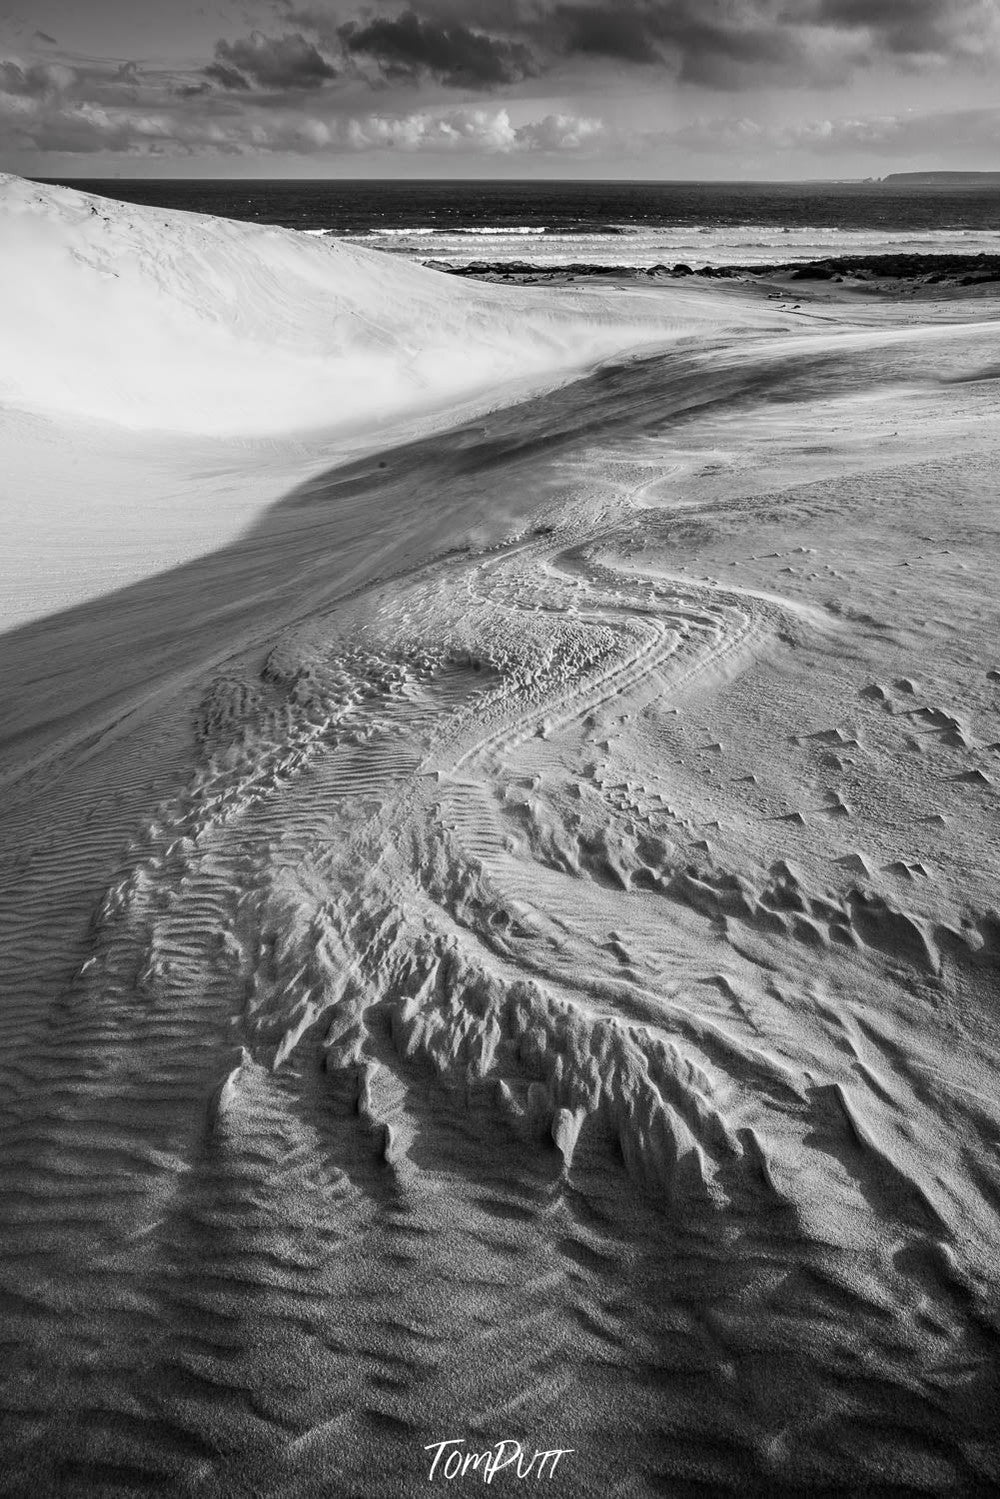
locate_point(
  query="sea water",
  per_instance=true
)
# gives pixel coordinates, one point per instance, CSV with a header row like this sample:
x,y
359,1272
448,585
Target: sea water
x,y
607,223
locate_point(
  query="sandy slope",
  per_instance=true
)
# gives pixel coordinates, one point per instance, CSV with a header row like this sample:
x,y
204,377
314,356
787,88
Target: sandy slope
x,y
165,376
509,948
175,321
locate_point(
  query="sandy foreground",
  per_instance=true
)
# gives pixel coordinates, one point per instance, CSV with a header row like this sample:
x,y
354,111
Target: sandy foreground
x,y
500,942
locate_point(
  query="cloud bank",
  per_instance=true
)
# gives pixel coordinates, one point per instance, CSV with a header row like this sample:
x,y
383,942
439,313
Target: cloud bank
x,y
48,122
722,44
497,77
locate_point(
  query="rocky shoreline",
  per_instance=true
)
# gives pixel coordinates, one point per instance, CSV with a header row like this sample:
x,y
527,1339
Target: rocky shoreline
x,y
929,270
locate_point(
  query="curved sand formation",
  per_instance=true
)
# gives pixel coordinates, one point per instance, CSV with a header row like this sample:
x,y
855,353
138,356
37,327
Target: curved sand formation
x,y
166,376
509,947
166,321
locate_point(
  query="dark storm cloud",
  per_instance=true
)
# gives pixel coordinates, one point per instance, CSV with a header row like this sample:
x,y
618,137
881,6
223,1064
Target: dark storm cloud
x,y
697,41
407,46
619,34
724,44
229,78
719,43
35,82
914,28
278,62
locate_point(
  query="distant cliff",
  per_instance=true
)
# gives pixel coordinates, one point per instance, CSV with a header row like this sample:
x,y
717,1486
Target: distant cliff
x,y
947,179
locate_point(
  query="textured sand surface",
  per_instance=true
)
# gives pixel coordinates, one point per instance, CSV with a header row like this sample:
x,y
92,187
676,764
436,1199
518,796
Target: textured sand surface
x,y
508,947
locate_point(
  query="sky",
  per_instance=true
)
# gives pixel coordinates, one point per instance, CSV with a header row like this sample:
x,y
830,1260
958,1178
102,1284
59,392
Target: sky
x,y
631,89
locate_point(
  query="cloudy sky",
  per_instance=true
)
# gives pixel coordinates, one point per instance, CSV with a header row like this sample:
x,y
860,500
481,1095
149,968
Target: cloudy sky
x,y
737,89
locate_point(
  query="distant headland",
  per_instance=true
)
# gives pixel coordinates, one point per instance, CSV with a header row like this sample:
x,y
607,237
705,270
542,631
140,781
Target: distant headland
x,y
946,179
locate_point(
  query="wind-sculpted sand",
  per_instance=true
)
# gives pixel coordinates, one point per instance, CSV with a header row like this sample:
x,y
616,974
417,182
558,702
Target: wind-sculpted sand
x,y
508,949
165,376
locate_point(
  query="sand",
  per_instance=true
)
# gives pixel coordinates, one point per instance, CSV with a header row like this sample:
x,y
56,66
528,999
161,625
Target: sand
x,y
166,376
506,945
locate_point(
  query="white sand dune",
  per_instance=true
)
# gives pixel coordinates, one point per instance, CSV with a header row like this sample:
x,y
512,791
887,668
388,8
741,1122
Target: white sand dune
x,y
508,947
176,321
165,376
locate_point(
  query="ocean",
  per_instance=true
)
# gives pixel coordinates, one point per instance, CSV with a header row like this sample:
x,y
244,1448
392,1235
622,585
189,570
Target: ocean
x,y
609,223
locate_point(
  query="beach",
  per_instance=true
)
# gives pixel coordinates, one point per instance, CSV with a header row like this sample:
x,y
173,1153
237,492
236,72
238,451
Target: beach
x,y
499,904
